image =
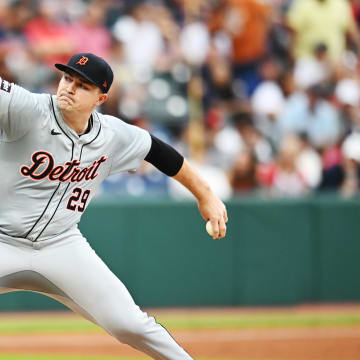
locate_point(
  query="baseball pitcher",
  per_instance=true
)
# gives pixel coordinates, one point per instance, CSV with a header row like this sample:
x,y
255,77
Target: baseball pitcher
x,y
54,153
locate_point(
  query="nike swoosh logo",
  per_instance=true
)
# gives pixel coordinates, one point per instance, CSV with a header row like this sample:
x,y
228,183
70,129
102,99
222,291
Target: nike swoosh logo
x,y
53,132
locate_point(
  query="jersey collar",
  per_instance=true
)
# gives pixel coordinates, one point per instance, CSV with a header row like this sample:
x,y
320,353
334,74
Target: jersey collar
x,y
66,129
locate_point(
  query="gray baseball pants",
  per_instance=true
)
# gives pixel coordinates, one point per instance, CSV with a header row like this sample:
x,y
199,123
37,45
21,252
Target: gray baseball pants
x,y
67,269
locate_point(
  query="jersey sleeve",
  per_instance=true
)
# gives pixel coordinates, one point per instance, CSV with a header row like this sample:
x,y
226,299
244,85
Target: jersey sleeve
x,y
131,145
19,109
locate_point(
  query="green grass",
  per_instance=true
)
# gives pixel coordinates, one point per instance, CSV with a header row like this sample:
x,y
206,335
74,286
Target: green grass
x,y
188,322
48,325
275,320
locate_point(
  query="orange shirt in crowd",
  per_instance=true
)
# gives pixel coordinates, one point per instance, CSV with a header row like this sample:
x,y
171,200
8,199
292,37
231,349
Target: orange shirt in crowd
x,y
246,22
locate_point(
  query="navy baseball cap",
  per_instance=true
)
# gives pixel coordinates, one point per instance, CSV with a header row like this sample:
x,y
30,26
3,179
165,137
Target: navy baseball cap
x,y
92,68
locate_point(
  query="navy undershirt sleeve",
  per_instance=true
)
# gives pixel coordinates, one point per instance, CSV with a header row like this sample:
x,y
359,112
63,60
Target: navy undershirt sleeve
x,y
164,157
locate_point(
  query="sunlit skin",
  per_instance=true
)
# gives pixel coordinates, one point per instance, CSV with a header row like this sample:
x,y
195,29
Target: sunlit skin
x,y
77,98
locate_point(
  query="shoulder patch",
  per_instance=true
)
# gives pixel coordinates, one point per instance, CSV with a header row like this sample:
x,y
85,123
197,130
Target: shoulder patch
x,y
5,86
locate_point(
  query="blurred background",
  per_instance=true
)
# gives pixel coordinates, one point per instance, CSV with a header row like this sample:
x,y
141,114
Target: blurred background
x,y
261,95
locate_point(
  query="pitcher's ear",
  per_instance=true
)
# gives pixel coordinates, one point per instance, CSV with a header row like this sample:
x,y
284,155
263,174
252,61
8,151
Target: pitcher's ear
x,y
102,98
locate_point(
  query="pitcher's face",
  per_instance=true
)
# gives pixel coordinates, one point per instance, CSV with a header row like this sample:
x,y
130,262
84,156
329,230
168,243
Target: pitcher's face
x,y
75,93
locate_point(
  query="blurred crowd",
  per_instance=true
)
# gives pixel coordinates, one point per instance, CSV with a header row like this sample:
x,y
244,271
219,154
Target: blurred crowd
x,y
262,96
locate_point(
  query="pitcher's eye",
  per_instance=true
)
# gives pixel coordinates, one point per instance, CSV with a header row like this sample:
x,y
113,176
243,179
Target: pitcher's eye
x,y
83,86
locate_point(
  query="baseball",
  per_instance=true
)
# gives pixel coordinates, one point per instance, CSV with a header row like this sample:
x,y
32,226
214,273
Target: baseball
x,y
209,228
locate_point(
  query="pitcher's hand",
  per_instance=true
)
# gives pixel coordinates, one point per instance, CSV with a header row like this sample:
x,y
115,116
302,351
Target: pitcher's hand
x,y
213,209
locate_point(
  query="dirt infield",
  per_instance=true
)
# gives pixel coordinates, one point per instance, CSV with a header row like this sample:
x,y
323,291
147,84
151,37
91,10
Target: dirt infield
x,y
305,343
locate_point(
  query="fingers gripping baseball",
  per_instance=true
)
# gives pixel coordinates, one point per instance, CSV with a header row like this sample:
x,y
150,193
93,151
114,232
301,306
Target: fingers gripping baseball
x,y
213,209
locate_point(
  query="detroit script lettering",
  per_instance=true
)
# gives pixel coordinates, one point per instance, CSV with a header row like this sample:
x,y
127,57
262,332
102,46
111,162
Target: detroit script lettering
x,y
43,166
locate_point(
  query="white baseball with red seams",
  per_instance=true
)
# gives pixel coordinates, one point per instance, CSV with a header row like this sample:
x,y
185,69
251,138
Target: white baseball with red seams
x,y
49,174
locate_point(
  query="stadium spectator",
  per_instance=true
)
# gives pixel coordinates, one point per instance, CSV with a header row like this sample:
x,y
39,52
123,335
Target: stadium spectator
x,y
246,23
313,70
322,22
268,104
142,37
48,36
282,178
89,34
227,66
347,95
252,138
344,175
309,112
242,175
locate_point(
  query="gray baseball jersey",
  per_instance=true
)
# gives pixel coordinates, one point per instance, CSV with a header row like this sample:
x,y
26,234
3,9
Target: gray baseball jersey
x,y
48,176
51,173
